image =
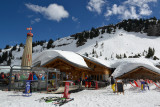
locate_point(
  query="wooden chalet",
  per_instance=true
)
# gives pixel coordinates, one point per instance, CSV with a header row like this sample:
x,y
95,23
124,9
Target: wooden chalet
x,y
99,71
140,73
70,70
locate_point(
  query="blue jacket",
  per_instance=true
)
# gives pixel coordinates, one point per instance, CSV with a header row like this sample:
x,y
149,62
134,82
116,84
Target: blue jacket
x,y
35,77
42,78
53,77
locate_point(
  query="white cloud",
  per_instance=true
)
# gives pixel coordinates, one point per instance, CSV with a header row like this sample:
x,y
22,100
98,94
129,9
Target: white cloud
x,y
138,2
130,14
52,12
118,9
29,16
145,10
35,20
108,13
74,19
95,5
133,9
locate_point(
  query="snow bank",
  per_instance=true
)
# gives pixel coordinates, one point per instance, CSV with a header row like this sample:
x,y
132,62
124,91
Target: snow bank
x,y
48,55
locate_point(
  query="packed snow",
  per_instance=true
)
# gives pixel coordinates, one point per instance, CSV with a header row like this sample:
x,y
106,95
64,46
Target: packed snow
x,y
133,97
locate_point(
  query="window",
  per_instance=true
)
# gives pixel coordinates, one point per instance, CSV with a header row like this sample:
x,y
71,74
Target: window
x,y
97,77
100,77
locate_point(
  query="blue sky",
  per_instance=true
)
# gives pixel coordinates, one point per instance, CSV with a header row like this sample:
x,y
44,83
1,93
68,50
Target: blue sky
x,y
59,18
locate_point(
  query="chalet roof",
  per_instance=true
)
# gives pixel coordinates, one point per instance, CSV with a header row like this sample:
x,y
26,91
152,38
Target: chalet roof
x,y
98,61
49,55
127,66
137,69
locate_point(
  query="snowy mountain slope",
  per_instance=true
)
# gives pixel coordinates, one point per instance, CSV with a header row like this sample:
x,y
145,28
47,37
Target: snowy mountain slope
x,y
105,46
122,42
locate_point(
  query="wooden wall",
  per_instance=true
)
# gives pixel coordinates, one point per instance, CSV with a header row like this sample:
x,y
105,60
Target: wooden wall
x,y
99,72
96,71
72,72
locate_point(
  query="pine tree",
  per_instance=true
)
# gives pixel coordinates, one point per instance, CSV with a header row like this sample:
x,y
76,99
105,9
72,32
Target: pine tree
x,y
109,30
117,56
41,43
19,49
49,45
5,56
10,54
155,58
102,31
0,59
96,56
14,47
81,40
120,56
91,35
7,47
9,62
93,52
86,54
125,55
21,45
33,44
150,52
86,35
100,53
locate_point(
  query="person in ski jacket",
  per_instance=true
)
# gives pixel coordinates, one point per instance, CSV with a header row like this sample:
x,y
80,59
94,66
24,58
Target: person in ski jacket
x,y
34,76
89,81
30,76
146,84
53,76
112,83
86,81
2,75
42,78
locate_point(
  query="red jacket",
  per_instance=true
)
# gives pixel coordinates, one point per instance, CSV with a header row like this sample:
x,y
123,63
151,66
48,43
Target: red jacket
x,y
30,76
2,76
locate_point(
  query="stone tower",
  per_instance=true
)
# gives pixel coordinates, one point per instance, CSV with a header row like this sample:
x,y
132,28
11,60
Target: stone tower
x,y
27,53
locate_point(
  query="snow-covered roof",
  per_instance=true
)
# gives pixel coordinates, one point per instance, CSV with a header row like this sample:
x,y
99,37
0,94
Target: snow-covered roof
x,y
5,69
99,61
126,65
49,55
